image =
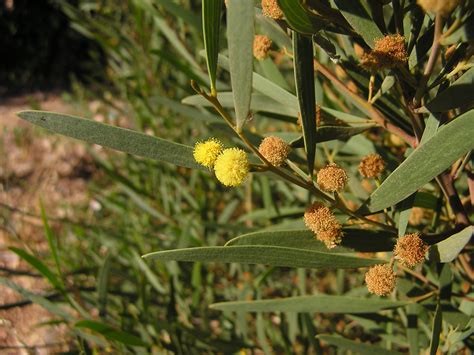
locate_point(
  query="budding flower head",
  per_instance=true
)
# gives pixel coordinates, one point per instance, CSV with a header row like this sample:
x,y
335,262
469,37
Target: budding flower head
x,y
324,224
274,149
332,178
261,46
444,7
380,280
410,249
271,9
206,153
371,166
232,167
389,52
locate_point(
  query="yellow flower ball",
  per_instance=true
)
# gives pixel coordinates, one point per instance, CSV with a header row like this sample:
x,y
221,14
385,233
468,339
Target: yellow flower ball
x,y
206,153
232,167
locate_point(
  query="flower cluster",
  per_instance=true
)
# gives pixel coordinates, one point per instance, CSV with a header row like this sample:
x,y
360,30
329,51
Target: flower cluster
x,y
271,9
332,178
275,150
410,250
381,280
371,166
231,165
389,52
324,224
261,46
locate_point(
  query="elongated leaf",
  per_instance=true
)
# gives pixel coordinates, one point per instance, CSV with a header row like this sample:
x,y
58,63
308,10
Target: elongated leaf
x,y
436,331
298,17
51,241
111,333
124,140
458,94
267,87
40,300
354,239
425,163
240,35
448,249
211,23
304,80
412,328
39,266
310,304
359,18
259,102
356,347
329,133
269,255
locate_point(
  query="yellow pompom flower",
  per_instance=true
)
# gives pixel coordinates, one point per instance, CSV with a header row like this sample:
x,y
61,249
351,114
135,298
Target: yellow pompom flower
x,y
206,153
232,167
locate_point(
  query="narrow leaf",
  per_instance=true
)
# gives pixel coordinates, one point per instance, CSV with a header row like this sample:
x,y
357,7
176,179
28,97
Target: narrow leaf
x,y
240,35
359,18
111,333
458,94
362,240
211,23
124,140
311,304
267,87
269,255
304,80
39,266
437,328
448,249
426,162
298,18
356,347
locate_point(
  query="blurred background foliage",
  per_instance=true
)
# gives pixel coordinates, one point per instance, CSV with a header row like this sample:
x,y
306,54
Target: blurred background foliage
x,y
135,59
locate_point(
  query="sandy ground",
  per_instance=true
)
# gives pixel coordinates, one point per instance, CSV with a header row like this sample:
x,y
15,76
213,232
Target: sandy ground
x,y
33,165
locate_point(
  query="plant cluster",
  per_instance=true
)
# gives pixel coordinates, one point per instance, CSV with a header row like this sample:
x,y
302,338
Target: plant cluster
x,y
361,115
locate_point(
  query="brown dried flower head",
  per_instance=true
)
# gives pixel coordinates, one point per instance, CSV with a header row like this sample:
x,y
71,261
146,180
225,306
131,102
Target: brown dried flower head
x,y
274,149
331,237
380,280
324,224
416,216
271,9
261,46
444,7
410,250
371,166
389,52
332,178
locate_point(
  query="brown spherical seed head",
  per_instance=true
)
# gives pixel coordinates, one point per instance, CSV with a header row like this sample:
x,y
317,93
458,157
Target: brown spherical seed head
x,y
371,166
271,9
332,178
389,52
275,150
320,218
380,280
261,46
410,250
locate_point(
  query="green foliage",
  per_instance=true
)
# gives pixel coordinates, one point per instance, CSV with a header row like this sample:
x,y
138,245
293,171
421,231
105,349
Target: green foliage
x,y
421,128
